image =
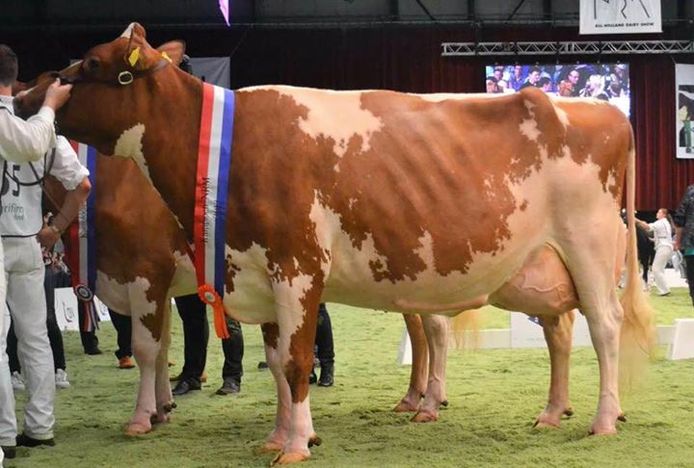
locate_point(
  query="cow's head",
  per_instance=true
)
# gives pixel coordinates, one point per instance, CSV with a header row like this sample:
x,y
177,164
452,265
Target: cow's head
x,y
110,86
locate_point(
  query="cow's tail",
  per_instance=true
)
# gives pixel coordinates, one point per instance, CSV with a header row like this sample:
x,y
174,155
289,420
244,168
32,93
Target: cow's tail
x,y
466,329
637,341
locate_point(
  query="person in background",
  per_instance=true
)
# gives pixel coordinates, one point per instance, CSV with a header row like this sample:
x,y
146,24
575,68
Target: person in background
x,y
22,141
595,88
325,351
572,77
684,234
516,80
662,236
492,86
124,331
196,333
545,84
614,90
533,77
565,89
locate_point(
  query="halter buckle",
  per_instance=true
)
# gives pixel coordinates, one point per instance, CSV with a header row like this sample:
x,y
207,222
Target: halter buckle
x,y
125,78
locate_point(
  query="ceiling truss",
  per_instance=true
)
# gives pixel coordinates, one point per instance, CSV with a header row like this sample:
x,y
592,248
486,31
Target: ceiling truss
x,y
453,49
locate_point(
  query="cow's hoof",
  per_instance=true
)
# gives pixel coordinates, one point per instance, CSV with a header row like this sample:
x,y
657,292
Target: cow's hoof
x,y
169,407
160,418
546,423
135,429
568,412
269,447
425,417
606,425
283,458
406,407
602,430
622,417
314,440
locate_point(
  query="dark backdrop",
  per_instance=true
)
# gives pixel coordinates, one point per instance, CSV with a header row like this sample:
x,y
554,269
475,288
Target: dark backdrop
x,y
399,58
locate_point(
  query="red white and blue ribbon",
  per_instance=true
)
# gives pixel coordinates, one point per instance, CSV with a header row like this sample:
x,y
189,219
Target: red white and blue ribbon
x,y
211,192
81,251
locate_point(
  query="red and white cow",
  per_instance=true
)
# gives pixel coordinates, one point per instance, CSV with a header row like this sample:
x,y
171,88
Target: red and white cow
x,y
383,200
142,262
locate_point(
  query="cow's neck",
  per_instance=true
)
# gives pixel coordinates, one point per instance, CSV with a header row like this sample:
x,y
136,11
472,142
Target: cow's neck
x,y
171,147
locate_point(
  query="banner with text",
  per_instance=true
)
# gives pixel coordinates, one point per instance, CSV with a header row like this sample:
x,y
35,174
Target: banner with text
x,y
684,112
66,309
620,17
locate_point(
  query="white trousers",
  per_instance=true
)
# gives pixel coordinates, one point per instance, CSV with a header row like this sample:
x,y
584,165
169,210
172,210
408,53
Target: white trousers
x,y
8,425
662,255
26,301
8,422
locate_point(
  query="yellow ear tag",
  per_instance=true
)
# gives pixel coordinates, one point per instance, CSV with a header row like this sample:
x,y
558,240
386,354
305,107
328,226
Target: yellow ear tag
x,y
134,56
166,57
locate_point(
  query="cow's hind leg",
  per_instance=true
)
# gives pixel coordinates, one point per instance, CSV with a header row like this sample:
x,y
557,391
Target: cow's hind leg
x,y
590,261
605,322
436,329
558,332
297,316
420,365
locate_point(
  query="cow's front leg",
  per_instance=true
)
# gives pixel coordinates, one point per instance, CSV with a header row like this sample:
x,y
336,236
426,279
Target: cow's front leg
x,y
558,333
297,316
147,331
145,350
279,436
436,329
164,398
420,365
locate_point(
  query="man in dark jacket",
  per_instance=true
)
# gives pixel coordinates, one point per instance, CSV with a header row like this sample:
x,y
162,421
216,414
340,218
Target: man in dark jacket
x,y
684,234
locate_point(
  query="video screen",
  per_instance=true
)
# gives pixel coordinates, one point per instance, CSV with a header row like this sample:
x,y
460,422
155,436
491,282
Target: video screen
x,y
606,81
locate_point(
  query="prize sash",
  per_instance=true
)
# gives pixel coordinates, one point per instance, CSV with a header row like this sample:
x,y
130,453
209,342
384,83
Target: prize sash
x,y
211,193
81,248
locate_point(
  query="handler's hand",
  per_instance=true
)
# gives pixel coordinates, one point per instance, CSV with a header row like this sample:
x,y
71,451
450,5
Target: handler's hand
x,y
57,95
47,237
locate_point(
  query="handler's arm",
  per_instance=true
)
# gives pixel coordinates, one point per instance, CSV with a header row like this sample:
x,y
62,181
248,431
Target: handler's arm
x,y
74,199
23,141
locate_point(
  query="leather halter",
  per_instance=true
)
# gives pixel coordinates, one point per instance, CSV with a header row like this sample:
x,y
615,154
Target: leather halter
x,y
124,78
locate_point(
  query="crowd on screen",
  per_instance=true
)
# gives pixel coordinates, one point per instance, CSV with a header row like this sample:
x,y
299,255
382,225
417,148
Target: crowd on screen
x,y
609,82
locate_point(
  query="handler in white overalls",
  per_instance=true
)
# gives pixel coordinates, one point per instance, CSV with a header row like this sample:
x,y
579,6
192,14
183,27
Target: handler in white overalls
x,y
20,141
21,222
662,236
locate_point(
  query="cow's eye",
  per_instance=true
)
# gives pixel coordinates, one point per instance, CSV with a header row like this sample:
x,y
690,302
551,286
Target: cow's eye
x,y
92,64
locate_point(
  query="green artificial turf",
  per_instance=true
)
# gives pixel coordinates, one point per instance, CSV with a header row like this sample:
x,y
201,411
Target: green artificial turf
x,y
494,397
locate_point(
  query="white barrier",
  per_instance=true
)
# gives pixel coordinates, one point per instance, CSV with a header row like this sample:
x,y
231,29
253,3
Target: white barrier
x,y
525,333
405,350
66,309
682,343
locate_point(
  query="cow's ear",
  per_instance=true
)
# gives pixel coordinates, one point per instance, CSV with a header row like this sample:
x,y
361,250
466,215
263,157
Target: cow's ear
x,y
139,55
173,51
